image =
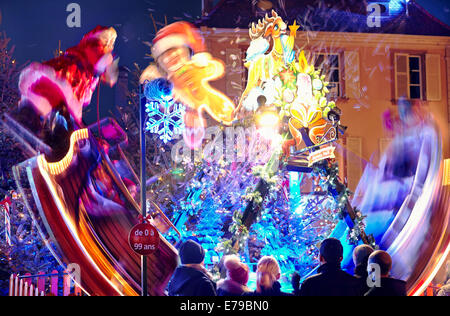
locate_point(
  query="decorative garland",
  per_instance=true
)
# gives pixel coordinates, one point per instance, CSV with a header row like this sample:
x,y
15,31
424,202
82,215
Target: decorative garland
x,y
354,234
342,196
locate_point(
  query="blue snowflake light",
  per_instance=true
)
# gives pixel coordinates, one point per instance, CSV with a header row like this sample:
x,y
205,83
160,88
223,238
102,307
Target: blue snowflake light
x,y
165,118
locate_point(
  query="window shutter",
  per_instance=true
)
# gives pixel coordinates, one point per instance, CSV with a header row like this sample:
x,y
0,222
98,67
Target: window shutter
x,y
401,76
446,172
352,75
354,164
433,77
341,158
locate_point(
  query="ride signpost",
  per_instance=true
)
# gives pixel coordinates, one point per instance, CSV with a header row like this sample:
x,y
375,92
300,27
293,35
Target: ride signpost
x,y
135,237
144,239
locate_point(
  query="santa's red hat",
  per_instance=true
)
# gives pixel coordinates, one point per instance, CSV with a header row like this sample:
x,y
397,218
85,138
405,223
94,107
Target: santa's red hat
x,y
175,35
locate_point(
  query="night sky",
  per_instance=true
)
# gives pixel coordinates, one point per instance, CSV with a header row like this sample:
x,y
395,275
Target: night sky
x,y
36,26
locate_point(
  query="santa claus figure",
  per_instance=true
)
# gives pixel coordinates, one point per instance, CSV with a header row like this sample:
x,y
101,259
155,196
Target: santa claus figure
x,y
180,55
57,90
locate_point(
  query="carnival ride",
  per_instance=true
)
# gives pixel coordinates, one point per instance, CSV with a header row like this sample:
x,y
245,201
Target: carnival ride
x,y
407,204
81,204
84,212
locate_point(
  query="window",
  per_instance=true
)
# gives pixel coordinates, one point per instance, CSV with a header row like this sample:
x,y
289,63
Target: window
x,y
408,76
263,7
330,65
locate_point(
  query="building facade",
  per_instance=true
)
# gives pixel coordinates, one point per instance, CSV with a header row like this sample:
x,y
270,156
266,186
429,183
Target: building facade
x,y
374,54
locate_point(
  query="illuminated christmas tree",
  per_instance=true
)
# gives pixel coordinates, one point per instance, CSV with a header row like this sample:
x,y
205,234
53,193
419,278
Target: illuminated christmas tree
x,y
27,253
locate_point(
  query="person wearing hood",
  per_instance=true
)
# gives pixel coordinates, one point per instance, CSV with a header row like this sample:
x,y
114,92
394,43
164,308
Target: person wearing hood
x,y
191,278
267,275
237,277
388,286
331,280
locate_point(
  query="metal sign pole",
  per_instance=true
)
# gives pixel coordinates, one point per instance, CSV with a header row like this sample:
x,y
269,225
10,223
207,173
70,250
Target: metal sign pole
x,y
144,285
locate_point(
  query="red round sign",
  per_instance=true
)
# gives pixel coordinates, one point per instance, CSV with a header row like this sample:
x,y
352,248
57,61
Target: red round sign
x,y
144,239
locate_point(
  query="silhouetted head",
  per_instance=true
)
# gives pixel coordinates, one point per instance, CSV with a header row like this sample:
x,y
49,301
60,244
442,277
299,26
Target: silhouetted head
x,y
295,281
361,255
383,260
331,251
191,252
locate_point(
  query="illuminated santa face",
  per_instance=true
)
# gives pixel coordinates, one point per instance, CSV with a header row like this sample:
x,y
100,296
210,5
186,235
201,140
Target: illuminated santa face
x,y
173,59
108,40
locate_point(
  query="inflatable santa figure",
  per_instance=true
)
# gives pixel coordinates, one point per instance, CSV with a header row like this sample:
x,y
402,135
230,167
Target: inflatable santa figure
x,y
181,57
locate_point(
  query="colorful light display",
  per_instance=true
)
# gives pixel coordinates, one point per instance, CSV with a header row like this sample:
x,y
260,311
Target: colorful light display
x,y
59,167
251,207
191,77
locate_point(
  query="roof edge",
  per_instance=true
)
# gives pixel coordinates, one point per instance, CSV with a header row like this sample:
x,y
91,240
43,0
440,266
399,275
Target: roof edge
x,y
428,14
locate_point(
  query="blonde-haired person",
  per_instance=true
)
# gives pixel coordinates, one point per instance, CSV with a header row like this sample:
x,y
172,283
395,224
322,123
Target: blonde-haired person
x,y
267,276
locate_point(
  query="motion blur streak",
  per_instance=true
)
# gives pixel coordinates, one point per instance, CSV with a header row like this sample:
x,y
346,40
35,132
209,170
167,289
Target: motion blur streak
x,y
407,204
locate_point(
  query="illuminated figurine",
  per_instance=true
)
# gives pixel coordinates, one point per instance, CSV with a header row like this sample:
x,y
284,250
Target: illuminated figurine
x,y
72,77
296,89
58,89
264,67
181,57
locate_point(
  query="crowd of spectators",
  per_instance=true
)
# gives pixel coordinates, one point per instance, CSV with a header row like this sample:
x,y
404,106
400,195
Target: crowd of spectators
x,y
371,275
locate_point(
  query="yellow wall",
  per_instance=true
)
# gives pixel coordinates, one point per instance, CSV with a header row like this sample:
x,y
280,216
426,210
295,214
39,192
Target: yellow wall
x,y
376,77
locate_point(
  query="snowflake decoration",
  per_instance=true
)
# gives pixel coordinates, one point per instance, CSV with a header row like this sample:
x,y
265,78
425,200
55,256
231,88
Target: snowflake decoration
x,y
166,122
